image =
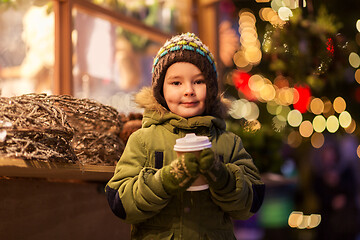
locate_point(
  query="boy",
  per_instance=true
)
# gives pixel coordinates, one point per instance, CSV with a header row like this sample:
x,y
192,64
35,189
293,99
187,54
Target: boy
x,y
149,187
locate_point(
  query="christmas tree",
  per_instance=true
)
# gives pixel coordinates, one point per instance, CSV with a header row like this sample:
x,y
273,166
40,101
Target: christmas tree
x,y
295,80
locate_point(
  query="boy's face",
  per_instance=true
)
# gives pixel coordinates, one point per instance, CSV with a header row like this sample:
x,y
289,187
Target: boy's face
x,y
185,89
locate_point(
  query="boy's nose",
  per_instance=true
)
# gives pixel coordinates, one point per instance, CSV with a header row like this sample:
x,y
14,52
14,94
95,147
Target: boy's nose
x,y
189,91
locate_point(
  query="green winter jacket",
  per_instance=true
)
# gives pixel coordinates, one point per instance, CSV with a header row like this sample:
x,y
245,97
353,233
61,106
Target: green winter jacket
x,y
136,195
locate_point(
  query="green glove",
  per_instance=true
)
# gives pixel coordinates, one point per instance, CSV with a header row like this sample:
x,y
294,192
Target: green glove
x,y
180,174
213,169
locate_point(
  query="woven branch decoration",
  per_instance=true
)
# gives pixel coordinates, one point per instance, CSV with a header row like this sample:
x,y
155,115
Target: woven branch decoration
x,y
60,128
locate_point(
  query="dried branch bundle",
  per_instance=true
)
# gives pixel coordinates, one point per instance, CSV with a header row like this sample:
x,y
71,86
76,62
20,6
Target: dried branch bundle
x,y
60,128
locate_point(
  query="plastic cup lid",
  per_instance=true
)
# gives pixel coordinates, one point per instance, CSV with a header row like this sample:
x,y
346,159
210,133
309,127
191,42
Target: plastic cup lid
x,y
191,143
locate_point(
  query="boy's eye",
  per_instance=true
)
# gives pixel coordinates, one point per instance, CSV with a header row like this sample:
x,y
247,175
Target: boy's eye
x,y
199,81
176,83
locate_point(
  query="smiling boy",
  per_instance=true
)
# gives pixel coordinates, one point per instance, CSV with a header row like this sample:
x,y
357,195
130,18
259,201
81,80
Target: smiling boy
x,y
149,188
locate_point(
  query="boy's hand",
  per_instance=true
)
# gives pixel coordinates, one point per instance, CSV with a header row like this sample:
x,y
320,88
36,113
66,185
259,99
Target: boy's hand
x,y
180,174
206,160
213,169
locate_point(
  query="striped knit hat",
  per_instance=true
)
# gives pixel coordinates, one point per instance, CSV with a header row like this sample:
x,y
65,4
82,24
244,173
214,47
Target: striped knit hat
x,y
186,47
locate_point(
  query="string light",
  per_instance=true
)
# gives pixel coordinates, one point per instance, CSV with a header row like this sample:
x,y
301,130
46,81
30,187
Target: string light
x,y
267,92
317,106
299,220
319,123
285,96
354,60
295,219
332,124
294,118
357,76
339,105
272,107
317,140
328,107
249,54
351,128
285,13
242,108
256,81
306,128
345,119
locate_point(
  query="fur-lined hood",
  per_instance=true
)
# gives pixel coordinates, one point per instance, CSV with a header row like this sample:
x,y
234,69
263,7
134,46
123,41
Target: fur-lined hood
x,y
145,99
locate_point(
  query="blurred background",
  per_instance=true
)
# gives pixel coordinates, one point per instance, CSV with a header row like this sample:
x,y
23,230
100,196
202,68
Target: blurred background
x,y
289,67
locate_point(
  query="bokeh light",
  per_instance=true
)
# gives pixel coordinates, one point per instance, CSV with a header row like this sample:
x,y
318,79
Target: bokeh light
x,y
306,129
357,76
238,109
351,128
358,151
285,96
328,107
271,15
332,124
249,37
358,25
295,219
354,60
254,112
253,54
345,119
240,60
249,53
267,92
283,111
317,140
319,123
299,220
256,82
272,107
294,118
285,13
294,139
242,108
305,222
281,82
317,106
276,5
304,98
266,14
339,105
315,220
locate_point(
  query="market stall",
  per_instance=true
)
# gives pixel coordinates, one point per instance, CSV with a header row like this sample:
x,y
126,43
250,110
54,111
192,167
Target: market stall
x,y
56,154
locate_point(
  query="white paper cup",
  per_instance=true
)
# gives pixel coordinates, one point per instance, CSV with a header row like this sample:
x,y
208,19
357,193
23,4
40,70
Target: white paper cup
x,y
195,144
192,143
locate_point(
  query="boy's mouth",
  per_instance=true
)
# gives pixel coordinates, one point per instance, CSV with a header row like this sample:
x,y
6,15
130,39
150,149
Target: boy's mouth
x,y
189,104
